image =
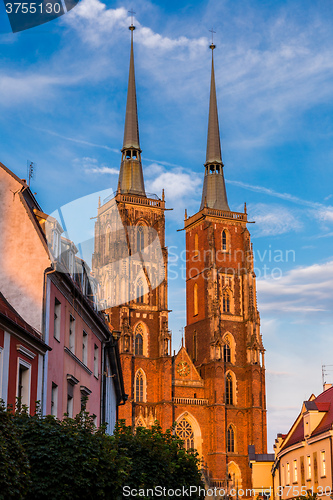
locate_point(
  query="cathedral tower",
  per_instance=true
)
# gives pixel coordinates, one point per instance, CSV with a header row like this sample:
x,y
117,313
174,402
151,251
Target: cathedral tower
x,y
130,265
222,334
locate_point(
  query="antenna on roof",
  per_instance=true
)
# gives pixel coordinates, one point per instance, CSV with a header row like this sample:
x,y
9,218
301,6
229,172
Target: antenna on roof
x,y
325,370
31,170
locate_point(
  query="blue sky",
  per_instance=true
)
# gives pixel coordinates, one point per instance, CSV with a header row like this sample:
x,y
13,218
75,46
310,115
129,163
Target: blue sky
x,y
62,102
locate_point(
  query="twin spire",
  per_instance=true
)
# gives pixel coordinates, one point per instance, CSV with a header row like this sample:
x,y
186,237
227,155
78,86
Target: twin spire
x,y
214,194
131,176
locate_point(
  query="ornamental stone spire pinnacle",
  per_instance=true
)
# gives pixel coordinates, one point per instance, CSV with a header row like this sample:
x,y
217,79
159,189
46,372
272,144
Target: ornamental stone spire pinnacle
x,y
131,176
214,193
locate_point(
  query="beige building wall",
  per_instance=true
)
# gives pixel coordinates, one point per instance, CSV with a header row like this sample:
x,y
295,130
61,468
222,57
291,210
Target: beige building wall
x,y
262,480
23,255
305,466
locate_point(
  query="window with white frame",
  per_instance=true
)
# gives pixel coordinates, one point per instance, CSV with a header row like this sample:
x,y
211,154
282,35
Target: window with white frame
x,y
23,383
308,463
84,347
54,400
71,343
323,463
57,319
295,472
96,361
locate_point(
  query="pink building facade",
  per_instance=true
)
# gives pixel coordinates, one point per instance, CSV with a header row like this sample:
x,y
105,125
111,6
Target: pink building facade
x,y
50,289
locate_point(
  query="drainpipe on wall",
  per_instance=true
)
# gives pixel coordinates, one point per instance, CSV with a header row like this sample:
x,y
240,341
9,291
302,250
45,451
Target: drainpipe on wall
x,y
43,402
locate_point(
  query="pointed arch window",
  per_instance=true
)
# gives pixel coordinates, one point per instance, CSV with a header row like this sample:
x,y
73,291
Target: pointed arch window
x,y
138,348
224,240
108,239
140,386
195,299
230,439
229,390
139,292
195,346
138,341
140,238
196,245
185,432
227,353
226,301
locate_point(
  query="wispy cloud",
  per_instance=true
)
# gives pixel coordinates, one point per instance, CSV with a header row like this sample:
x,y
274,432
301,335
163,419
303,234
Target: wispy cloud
x,y
91,166
321,212
79,141
300,291
272,220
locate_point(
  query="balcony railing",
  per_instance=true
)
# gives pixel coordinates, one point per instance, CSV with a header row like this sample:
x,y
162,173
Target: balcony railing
x,y
190,401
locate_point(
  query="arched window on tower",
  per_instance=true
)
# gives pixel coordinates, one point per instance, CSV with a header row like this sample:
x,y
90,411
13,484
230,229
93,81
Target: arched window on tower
x,y
138,348
108,240
195,346
229,390
230,439
226,301
140,238
139,291
227,353
196,245
224,240
195,299
138,341
185,432
139,388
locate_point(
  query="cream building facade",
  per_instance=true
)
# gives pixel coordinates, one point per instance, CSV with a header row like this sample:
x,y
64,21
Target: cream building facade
x,y
303,457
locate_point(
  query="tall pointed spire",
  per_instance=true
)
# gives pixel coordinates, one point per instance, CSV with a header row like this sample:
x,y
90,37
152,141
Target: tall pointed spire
x,y
131,131
213,153
131,176
214,194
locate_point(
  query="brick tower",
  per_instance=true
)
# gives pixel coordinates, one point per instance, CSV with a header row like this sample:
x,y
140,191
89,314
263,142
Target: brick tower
x,y
130,265
222,335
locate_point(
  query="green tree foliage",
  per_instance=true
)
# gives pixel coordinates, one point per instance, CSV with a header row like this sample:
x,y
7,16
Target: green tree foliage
x,y
157,458
14,465
47,458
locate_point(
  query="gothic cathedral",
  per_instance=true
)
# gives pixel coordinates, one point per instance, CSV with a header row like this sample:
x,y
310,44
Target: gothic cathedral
x,y
214,387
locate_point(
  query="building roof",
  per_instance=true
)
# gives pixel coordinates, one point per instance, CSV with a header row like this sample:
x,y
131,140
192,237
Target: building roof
x,y
323,404
7,310
11,318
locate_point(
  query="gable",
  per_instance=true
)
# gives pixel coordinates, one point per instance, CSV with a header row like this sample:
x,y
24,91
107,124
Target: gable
x,y
185,373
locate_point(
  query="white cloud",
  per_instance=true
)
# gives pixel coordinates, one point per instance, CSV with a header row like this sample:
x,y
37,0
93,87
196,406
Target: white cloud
x,y
91,166
176,183
299,291
95,23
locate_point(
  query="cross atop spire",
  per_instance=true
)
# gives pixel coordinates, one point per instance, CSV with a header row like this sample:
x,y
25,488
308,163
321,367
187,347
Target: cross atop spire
x,y
132,27
212,46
